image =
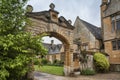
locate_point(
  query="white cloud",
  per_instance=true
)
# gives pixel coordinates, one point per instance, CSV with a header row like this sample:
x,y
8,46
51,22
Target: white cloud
x,y
48,40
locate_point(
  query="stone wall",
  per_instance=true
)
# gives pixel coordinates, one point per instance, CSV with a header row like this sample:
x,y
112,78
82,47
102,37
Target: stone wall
x,y
37,27
114,6
114,55
107,12
107,29
115,67
89,64
86,36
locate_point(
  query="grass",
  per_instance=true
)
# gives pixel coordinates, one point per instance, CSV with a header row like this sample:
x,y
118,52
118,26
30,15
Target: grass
x,y
56,70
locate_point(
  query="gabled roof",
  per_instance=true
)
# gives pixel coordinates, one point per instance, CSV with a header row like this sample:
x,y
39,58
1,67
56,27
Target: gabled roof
x,y
53,48
45,16
96,31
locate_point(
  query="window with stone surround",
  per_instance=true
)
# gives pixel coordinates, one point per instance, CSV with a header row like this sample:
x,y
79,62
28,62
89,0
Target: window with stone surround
x,y
75,56
116,44
118,29
85,46
115,24
119,44
118,22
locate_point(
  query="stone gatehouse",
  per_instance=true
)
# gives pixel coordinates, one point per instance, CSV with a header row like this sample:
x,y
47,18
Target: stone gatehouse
x,y
49,23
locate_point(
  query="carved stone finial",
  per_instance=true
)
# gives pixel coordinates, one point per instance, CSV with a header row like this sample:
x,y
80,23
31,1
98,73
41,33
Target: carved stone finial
x,y
52,6
70,22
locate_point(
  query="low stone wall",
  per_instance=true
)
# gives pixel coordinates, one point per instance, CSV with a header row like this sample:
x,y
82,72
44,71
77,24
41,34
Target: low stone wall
x,y
89,63
115,67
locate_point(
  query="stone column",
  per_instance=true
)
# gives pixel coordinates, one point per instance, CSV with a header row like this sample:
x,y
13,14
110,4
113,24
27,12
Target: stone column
x,y
67,65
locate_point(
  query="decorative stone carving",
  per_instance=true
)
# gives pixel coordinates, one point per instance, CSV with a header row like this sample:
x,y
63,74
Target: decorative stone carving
x,y
62,19
70,21
52,6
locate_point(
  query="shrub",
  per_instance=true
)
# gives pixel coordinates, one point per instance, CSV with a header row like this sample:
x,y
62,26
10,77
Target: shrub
x,y
57,62
101,62
88,72
44,61
36,61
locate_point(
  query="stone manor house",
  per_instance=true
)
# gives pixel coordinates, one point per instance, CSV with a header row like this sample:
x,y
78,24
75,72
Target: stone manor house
x,y
110,22
105,39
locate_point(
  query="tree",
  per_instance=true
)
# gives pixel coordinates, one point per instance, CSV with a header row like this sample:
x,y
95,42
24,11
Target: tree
x,y
17,48
83,59
82,54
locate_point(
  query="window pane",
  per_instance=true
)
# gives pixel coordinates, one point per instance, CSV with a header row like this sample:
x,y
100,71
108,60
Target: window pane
x,y
118,25
113,26
114,45
118,28
118,17
118,22
75,56
113,18
119,44
87,47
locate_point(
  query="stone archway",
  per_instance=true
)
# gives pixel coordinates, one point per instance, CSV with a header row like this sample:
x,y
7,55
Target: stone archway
x,y
49,22
66,43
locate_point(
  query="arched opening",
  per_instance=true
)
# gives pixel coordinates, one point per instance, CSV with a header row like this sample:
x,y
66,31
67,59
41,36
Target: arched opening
x,y
65,55
65,43
48,39
50,23
58,36
55,50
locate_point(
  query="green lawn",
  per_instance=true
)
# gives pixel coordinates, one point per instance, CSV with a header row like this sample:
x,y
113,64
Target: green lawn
x,y
57,70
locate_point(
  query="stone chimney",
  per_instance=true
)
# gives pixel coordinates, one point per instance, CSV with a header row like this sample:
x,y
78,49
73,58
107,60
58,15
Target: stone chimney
x,y
103,7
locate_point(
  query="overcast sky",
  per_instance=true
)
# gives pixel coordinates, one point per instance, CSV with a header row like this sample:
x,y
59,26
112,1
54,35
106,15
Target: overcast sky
x,y
88,10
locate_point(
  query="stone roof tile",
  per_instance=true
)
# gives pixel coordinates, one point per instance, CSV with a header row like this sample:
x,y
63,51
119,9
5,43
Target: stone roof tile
x,y
96,31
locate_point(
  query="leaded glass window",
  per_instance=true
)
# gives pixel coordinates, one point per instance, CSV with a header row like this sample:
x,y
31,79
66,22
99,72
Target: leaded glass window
x,y
114,45
118,44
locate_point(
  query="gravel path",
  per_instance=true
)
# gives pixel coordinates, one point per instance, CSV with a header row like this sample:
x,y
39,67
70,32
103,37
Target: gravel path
x,y
107,76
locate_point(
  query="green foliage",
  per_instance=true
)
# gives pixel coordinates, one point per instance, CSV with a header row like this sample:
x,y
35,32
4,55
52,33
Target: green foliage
x,y
17,52
36,61
17,48
88,72
101,62
57,63
83,56
12,17
44,61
